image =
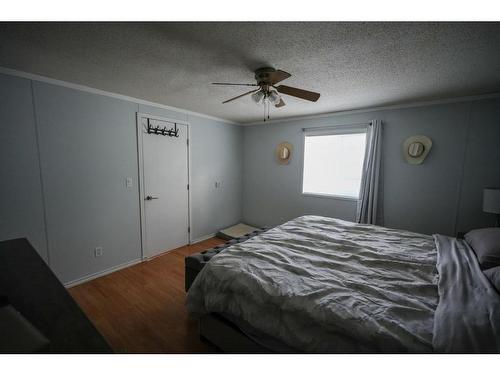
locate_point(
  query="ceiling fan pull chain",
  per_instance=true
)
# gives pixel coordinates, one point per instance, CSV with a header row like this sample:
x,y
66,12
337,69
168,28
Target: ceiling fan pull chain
x,y
264,110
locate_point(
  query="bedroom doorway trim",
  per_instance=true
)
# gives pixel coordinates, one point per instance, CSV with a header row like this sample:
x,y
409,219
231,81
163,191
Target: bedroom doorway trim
x,y
141,185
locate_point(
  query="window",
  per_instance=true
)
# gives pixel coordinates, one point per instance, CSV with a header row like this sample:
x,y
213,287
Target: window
x,y
333,162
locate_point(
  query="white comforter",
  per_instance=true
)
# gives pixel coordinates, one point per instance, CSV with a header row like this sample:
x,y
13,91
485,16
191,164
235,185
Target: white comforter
x,y
325,285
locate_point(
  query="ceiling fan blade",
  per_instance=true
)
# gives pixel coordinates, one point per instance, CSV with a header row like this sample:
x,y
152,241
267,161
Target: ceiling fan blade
x,y
298,93
234,84
280,104
239,96
278,76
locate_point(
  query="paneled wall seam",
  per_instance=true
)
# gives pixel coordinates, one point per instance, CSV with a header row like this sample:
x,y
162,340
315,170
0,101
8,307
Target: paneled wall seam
x,y
243,176
39,159
462,172
138,179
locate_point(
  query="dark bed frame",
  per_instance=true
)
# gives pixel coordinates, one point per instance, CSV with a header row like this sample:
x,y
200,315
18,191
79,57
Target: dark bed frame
x,y
227,337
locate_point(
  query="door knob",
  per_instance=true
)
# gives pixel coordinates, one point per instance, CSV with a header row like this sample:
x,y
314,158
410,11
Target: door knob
x,y
149,198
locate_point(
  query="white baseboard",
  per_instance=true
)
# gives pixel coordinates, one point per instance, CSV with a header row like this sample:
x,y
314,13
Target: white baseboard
x,y
101,273
107,271
202,238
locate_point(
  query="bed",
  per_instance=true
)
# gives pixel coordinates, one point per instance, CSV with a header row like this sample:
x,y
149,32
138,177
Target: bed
x,y
323,285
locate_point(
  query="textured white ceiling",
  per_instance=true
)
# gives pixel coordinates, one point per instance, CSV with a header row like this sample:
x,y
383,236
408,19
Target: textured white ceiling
x,y
352,65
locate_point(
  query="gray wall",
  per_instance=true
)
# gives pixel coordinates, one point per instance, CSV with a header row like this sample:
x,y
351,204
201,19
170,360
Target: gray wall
x,y
86,148
65,155
443,195
216,155
482,163
21,205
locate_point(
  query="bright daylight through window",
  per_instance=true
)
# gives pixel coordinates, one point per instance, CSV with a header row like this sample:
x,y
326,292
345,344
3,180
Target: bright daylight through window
x,y
333,164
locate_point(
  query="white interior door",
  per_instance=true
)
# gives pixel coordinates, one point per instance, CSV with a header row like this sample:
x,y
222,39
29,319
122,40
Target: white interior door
x,y
165,188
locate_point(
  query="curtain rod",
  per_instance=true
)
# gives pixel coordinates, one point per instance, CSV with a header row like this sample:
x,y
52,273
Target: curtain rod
x,y
336,126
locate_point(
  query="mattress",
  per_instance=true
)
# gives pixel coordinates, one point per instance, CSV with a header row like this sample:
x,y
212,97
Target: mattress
x,y
325,285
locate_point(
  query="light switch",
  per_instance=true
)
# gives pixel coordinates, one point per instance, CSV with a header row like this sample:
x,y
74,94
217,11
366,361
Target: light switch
x,y
128,182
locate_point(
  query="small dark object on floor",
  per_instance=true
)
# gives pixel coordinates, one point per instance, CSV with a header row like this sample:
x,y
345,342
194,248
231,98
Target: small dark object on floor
x,y
236,231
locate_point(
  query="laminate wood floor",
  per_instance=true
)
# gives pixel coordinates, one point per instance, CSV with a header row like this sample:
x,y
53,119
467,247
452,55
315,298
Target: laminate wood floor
x,y
141,309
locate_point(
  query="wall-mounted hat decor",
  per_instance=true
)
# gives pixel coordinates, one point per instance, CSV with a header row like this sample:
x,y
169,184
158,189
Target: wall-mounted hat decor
x,y
284,152
416,149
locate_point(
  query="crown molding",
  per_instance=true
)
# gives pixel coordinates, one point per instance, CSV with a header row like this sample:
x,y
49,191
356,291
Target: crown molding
x,y
75,86
380,108
53,81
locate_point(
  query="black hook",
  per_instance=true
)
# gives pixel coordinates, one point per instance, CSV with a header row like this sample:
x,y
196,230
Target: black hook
x,y
172,132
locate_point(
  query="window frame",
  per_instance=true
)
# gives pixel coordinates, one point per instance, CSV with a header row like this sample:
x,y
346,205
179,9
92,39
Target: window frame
x,y
322,131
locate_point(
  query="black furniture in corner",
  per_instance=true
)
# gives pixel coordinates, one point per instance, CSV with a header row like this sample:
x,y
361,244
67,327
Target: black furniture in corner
x,y
28,285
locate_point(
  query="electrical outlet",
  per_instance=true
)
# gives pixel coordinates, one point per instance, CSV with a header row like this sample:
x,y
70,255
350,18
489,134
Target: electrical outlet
x,y
98,252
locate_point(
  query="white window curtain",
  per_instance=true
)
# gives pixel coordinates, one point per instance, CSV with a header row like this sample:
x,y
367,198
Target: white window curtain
x,y
369,200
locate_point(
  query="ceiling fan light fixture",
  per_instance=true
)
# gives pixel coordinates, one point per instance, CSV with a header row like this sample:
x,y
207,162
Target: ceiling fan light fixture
x,y
267,94
257,96
274,97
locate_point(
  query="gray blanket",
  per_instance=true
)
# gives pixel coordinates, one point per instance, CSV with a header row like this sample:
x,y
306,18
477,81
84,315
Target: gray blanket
x,y
467,318
324,285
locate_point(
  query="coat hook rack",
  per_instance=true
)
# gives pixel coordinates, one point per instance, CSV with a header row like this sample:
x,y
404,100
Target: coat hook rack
x,y
172,132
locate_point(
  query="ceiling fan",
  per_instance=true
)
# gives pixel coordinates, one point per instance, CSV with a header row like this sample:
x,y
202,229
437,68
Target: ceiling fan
x,y
267,92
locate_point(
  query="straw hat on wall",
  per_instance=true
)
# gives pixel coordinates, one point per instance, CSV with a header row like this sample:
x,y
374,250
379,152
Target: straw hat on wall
x,y
416,149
